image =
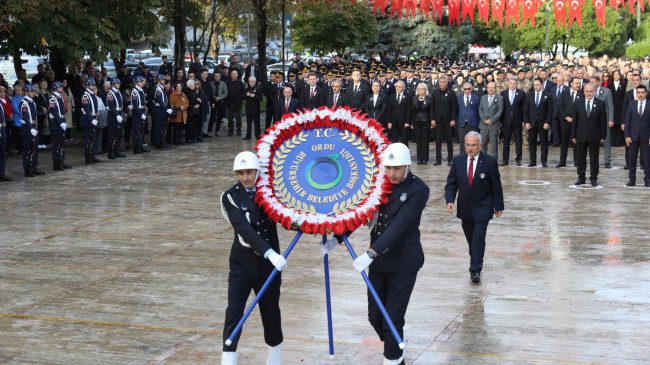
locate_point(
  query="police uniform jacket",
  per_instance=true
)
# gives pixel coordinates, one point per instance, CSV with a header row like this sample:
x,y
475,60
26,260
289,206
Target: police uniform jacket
x,y
139,103
254,232
57,112
28,114
160,98
388,88
115,103
395,234
89,109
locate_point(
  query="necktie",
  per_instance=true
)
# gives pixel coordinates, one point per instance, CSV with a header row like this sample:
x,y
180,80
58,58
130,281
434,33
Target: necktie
x,y
536,100
640,109
466,101
399,98
573,96
512,96
356,89
470,172
588,107
286,108
311,95
252,194
336,97
559,92
490,100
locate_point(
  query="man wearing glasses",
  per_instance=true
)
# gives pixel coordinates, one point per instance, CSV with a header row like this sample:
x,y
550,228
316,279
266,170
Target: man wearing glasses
x,y
468,104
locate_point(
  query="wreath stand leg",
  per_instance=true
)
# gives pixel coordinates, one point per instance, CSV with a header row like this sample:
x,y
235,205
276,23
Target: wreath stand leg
x,y
261,292
375,296
328,300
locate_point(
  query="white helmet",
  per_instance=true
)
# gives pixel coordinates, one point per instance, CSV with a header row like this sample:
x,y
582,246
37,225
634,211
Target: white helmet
x,y
246,161
397,154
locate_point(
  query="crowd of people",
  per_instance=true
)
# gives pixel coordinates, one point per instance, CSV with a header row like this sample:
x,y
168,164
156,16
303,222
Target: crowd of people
x,y
520,101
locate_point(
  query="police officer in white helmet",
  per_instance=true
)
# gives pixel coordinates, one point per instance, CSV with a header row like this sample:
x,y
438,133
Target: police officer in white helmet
x,y
395,254
253,257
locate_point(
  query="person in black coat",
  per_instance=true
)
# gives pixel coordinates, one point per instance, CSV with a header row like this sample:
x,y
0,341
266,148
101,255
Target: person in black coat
x,y
588,131
235,98
537,120
630,96
555,93
475,177
312,96
286,105
565,115
511,119
422,121
637,135
445,110
253,98
375,105
399,114
357,91
193,112
336,98
253,256
395,254
617,86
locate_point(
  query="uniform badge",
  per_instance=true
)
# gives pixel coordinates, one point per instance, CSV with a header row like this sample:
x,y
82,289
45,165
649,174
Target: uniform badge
x,y
482,175
402,197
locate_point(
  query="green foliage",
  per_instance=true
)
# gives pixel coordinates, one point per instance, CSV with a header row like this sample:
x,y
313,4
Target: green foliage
x,y
642,32
638,50
324,26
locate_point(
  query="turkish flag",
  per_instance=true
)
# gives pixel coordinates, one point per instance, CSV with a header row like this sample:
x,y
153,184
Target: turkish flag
x,y
425,7
512,11
529,8
438,7
497,11
484,11
616,3
396,7
410,6
631,3
600,8
559,7
468,9
575,12
381,5
454,9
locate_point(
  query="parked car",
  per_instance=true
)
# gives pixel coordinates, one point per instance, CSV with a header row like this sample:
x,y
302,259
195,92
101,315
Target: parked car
x,y
270,59
29,63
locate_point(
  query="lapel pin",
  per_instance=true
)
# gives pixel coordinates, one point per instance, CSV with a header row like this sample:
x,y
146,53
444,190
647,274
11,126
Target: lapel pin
x,y
403,197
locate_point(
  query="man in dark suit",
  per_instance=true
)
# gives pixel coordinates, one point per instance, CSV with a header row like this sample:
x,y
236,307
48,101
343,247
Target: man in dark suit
x,y
253,99
566,111
637,135
475,177
445,110
336,98
468,118
357,92
512,117
395,254
399,114
630,96
537,121
313,96
252,70
286,105
588,131
556,95
253,256
547,84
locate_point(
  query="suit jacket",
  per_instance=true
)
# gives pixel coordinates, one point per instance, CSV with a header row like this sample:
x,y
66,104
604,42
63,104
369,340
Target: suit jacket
x,y
629,98
377,110
549,85
253,103
357,100
388,88
247,219
637,127
341,101
605,95
484,197
591,128
618,95
395,235
445,105
567,105
491,111
280,108
399,113
308,102
556,99
468,114
513,112
538,115
421,113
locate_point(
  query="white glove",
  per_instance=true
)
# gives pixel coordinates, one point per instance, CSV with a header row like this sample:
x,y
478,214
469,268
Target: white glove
x,y
328,246
95,122
144,117
119,119
64,126
362,262
169,111
51,116
130,107
34,132
277,260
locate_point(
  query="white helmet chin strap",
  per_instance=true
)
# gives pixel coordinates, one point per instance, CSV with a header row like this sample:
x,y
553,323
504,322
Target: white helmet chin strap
x,y
406,173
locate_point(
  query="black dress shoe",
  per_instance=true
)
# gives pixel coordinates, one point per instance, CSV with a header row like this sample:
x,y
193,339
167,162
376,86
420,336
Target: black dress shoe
x,y
205,135
518,163
626,167
239,133
475,276
96,160
57,167
631,183
87,160
29,173
4,177
579,182
532,164
647,185
247,137
229,133
120,154
608,165
111,156
436,163
560,165
199,139
594,183
65,165
503,163
38,172
544,164
144,149
449,163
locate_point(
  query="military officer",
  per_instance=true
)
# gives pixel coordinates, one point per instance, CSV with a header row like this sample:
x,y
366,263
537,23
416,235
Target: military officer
x,y
159,112
523,83
253,256
395,254
138,115
90,111
3,144
387,87
29,132
501,82
410,82
58,126
115,117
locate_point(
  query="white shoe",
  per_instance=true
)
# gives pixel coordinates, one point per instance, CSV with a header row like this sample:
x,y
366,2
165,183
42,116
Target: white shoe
x,y
391,362
275,355
228,358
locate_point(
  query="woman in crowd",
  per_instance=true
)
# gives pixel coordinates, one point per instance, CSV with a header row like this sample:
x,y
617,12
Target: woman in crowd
x,y
194,114
179,102
42,100
375,105
617,86
422,121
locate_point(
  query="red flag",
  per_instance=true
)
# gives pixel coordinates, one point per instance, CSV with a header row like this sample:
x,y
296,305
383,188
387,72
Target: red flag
x,y
425,7
616,3
559,6
575,12
438,7
396,6
468,9
454,9
642,5
512,11
484,11
410,6
600,8
631,3
529,8
497,11
381,5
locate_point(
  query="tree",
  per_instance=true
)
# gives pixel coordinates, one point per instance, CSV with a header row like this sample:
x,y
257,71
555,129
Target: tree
x,y
324,26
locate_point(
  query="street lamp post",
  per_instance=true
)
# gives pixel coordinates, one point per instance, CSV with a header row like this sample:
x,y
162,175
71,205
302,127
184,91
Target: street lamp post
x,y
547,9
248,37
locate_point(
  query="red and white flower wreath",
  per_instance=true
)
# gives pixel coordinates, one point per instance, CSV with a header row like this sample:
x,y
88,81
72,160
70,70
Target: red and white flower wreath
x,y
369,130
